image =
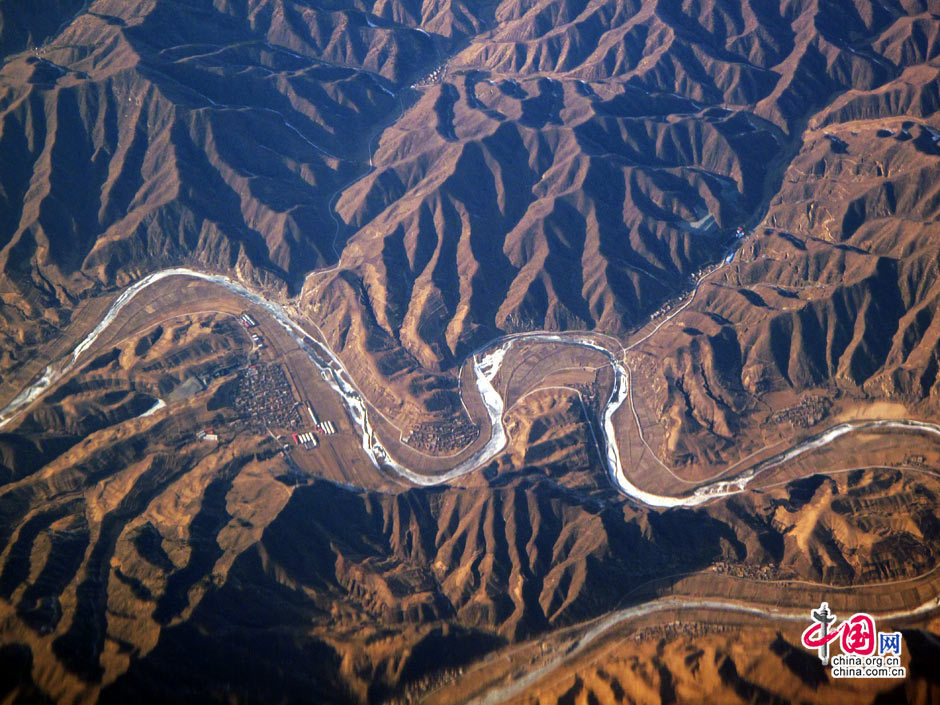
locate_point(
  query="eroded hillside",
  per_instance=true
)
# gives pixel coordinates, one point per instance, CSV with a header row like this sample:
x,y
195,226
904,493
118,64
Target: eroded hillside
x,y
410,181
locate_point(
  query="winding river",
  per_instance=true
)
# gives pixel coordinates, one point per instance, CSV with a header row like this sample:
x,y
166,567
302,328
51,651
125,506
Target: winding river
x,y
486,365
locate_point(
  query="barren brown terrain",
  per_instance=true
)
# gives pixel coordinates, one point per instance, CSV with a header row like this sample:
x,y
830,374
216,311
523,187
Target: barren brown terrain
x,y
529,351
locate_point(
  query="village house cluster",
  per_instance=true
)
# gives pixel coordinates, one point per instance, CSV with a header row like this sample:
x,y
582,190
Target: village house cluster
x,y
265,399
432,78
442,436
697,277
809,412
590,394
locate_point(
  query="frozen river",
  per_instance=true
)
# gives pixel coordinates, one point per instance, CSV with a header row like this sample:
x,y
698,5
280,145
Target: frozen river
x,y
486,364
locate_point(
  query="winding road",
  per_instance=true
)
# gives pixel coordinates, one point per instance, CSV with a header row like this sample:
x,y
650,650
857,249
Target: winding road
x,y
486,363
603,625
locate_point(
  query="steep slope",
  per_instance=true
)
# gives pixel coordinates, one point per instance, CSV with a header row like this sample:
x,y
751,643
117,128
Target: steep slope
x,y
542,180
524,148
411,179
131,141
141,560
838,288
736,663
23,27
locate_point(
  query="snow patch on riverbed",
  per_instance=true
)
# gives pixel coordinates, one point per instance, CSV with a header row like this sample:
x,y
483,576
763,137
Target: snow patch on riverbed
x,y
153,409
